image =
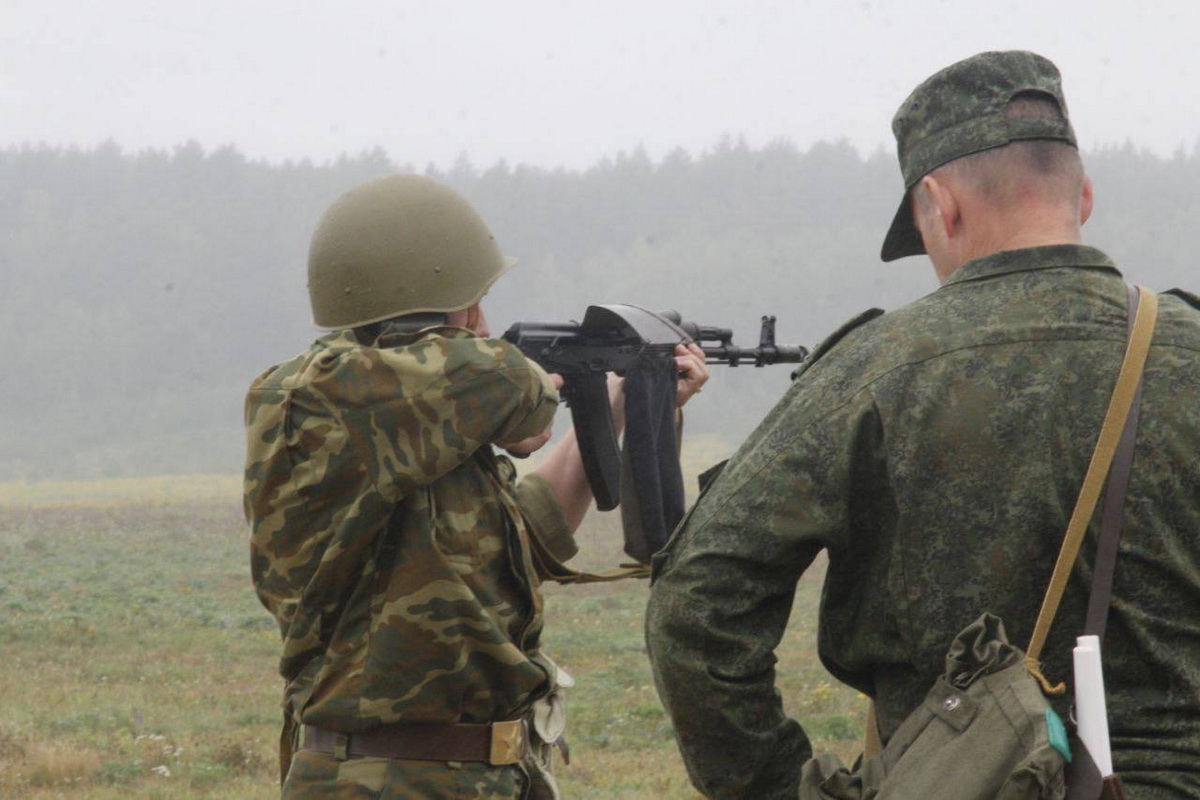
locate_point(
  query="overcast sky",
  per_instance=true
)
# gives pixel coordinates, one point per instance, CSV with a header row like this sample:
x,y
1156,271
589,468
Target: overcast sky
x,y
561,83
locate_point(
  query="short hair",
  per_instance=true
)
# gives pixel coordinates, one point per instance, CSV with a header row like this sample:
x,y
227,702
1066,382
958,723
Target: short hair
x,y
1049,168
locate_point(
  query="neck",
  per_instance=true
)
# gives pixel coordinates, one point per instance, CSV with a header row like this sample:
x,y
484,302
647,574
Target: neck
x,y
1017,240
1013,234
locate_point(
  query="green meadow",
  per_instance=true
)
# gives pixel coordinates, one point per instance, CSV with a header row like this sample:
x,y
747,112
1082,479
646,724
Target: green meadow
x,y
135,660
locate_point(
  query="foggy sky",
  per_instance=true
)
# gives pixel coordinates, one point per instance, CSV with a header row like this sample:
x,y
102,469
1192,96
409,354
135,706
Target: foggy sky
x,y
560,83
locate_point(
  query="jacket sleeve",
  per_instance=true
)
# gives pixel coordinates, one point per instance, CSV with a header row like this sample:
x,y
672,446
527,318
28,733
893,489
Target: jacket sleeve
x,y
723,591
544,513
412,414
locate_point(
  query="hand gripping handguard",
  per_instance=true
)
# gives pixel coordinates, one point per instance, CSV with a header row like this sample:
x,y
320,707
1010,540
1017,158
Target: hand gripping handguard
x,y
622,339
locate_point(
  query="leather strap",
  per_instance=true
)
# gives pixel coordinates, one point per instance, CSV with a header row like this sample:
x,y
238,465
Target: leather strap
x,y
872,744
1123,411
1084,781
496,743
1115,419
1112,511
1112,788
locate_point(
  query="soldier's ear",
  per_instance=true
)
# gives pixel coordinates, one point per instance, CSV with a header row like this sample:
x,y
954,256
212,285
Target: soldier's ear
x,y
945,209
1085,200
477,322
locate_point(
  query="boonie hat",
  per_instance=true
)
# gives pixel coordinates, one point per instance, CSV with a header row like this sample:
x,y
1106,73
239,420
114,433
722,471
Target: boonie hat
x,y
960,110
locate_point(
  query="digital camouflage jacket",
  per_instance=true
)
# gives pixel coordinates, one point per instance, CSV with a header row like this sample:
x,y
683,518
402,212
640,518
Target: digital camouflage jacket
x,y
936,453
389,541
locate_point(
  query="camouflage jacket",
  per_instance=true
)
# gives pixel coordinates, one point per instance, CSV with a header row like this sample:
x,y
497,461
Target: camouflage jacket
x,y
389,541
936,453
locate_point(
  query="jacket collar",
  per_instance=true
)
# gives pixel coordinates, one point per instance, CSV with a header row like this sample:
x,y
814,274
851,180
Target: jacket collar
x,y
1031,258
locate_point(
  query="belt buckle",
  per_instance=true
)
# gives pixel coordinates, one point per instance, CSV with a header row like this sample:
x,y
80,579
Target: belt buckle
x,y
509,742
341,746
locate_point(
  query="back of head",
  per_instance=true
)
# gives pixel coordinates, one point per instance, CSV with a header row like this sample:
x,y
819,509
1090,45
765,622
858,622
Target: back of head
x,y
399,245
1039,171
1002,111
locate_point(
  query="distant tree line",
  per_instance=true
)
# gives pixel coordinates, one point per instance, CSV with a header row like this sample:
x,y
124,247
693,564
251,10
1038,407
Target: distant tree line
x,y
140,292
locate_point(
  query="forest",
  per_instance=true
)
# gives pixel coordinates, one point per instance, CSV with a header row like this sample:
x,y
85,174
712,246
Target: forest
x,y
140,292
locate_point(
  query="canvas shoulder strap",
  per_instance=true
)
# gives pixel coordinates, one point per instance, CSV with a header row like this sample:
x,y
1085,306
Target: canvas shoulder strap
x,y
1112,511
1118,425
1114,447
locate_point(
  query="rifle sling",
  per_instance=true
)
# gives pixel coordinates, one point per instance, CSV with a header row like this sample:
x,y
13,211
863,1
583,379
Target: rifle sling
x,y
551,569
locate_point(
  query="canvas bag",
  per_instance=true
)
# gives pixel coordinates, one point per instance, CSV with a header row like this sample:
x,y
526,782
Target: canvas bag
x,y
981,729
985,731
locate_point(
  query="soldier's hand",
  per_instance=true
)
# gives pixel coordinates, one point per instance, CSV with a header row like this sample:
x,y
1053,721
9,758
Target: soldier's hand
x,y
693,371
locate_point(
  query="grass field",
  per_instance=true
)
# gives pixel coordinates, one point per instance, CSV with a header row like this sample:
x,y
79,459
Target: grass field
x,y
135,660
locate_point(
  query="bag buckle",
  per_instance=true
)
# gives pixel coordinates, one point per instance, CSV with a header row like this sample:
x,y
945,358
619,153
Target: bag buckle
x,y
510,741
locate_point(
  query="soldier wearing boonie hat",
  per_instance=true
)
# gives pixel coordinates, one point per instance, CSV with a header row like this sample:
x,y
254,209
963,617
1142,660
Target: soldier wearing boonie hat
x,y
934,453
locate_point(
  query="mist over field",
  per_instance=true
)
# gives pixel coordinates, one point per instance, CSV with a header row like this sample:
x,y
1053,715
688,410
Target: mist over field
x,y
141,291
162,167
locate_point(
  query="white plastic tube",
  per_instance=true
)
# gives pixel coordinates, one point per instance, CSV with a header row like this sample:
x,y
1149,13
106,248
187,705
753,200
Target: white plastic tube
x,y
1091,712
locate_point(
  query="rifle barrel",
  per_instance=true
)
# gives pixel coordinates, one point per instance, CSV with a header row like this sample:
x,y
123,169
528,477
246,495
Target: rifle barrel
x,y
759,357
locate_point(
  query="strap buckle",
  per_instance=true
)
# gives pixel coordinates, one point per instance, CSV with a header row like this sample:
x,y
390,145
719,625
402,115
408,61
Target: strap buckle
x,y
510,742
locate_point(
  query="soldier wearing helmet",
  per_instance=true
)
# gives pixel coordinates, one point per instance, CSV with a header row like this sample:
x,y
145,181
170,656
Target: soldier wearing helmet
x,y
390,540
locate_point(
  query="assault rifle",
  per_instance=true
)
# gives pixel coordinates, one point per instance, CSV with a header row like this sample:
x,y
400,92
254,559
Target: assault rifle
x,y
619,338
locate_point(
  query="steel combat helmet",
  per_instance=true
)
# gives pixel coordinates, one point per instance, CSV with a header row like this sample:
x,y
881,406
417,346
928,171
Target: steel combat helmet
x,y
399,245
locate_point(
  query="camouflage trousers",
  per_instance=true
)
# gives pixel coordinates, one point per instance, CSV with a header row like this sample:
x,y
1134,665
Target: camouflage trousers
x,y
320,776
